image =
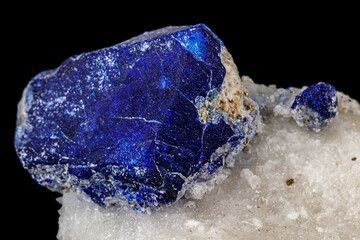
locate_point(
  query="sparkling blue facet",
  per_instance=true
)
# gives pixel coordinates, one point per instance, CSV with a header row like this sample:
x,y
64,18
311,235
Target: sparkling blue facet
x,y
315,107
120,123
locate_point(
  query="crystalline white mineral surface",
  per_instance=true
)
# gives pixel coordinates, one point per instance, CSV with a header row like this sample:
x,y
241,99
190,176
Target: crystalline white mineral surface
x,y
290,184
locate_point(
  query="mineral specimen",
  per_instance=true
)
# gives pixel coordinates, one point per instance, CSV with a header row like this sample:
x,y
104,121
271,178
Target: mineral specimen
x,y
143,122
165,115
150,120
315,107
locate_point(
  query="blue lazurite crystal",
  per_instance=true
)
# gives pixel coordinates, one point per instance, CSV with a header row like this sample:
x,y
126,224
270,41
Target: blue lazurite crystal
x,y
121,123
315,107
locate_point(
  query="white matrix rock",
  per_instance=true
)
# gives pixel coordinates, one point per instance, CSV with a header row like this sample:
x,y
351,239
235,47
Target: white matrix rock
x,y
290,183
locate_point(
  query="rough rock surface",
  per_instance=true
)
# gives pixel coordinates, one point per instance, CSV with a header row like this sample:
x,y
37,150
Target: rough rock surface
x,y
292,184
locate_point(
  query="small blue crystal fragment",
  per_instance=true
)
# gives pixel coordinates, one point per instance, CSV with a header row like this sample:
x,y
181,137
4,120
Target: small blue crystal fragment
x,y
315,107
121,123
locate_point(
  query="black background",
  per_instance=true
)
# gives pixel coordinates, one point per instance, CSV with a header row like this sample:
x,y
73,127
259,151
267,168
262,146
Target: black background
x,y
283,45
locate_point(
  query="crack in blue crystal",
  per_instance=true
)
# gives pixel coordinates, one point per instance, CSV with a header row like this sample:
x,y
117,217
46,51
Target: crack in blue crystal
x,y
139,118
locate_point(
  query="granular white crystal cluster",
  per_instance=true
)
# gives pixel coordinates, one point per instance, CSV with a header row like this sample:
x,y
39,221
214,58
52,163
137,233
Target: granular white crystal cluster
x,y
290,183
